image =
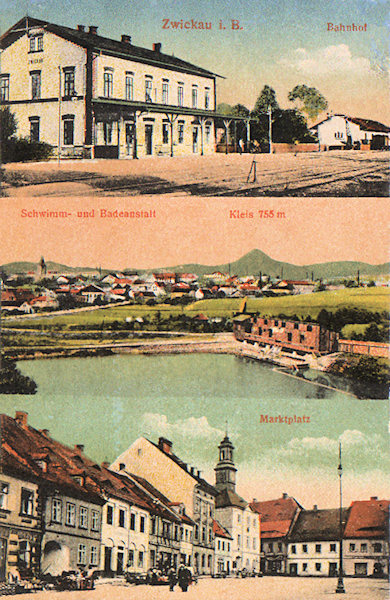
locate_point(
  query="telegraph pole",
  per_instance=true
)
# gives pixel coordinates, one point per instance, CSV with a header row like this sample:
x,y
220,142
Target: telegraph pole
x,y
270,128
1,339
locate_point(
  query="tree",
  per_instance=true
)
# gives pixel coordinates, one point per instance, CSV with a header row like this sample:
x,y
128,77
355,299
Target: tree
x,y
8,128
8,125
224,109
290,126
310,100
239,110
13,382
265,101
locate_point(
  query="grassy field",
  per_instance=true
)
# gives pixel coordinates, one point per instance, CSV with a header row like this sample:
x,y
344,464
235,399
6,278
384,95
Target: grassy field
x,y
309,305
373,299
353,329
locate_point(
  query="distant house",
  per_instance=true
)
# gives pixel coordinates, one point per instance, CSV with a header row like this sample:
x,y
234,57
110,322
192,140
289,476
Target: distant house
x,y
217,276
297,287
91,292
203,294
338,132
44,301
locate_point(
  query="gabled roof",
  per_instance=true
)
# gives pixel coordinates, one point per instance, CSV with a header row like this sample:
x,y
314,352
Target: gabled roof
x,y
369,125
220,531
201,482
106,45
318,525
161,504
276,516
230,498
368,519
22,450
364,124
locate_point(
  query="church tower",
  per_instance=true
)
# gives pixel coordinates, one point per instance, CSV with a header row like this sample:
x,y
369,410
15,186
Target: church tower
x,y
225,471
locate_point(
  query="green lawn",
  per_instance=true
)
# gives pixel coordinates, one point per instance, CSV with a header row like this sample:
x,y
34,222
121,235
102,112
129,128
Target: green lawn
x,y
309,305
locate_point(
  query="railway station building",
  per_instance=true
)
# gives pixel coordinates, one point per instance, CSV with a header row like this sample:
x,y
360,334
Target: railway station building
x,y
94,97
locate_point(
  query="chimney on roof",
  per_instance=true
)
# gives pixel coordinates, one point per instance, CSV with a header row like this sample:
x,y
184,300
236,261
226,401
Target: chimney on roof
x,y
192,470
126,39
374,498
199,473
122,466
21,418
79,447
105,464
285,496
254,500
165,445
157,47
45,432
93,29
315,507
80,27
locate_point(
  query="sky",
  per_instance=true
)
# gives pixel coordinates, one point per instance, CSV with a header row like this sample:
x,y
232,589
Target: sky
x,y
187,230
280,44
189,398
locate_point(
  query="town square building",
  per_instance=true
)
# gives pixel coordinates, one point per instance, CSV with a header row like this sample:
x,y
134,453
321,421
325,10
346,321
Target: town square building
x,y
92,96
181,483
235,515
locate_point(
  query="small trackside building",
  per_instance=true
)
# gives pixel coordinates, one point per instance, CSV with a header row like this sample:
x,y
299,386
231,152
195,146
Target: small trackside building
x,y
90,96
341,132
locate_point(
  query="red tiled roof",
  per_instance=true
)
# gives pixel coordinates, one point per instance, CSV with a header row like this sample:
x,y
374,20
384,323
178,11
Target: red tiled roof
x,y
276,516
369,125
220,531
21,443
368,519
275,529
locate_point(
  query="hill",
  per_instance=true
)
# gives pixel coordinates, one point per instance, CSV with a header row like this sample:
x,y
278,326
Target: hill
x,y
250,264
256,261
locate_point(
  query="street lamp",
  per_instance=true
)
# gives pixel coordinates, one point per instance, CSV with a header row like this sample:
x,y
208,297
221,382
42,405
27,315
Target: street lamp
x,y
340,582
